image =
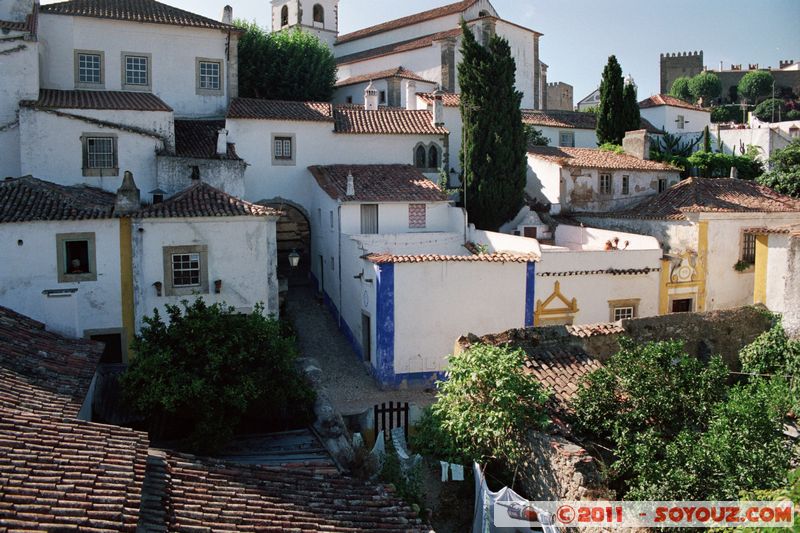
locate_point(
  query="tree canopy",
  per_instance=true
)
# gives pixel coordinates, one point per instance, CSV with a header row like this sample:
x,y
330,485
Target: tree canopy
x,y
610,114
705,87
535,137
631,115
285,65
784,173
494,146
755,85
770,110
680,89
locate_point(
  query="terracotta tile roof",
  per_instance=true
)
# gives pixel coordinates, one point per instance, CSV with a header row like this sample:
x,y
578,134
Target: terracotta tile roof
x,y
377,183
596,330
561,369
496,257
595,158
450,9
28,199
203,200
785,230
665,99
560,119
709,195
115,100
41,371
198,138
448,99
385,121
395,48
399,72
59,474
142,11
13,25
252,108
206,494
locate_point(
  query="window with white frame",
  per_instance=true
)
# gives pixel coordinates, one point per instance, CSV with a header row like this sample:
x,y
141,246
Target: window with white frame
x,y
283,149
623,313
209,76
185,270
135,71
89,69
99,154
417,216
605,183
566,138
626,184
623,309
369,219
749,248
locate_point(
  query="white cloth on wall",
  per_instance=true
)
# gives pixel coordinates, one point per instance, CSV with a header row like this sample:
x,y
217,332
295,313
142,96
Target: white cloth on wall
x,y
457,472
445,470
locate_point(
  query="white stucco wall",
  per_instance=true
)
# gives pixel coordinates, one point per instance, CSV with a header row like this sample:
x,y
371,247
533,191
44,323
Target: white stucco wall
x,y
583,138
174,175
777,271
19,81
393,218
425,62
173,50
32,267
544,182
765,139
356,91
665,117
51,147
521,42
241,253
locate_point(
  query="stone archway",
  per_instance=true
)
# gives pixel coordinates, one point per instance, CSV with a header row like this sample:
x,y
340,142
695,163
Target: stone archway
x,y
294,233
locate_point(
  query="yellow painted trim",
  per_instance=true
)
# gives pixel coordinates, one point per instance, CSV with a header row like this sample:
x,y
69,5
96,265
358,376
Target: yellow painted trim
x,y
663,296
570,306
126,277
702,264
760,286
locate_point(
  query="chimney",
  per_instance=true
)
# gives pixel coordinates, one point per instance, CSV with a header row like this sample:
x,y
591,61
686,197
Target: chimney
x,y
371,97
411,95
351,186
222,142
438,107
637,144
128,197
227,15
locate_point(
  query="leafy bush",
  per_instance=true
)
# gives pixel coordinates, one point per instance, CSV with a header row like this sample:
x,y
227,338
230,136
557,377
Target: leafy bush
x,y
680,89
611,147
721,114
755,85
784,176
769,108
210,369
793,114
774,353
535,137
484,409
705,87
718,165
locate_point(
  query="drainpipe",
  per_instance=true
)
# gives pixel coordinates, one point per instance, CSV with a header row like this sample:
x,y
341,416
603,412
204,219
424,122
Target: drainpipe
x,y
339,231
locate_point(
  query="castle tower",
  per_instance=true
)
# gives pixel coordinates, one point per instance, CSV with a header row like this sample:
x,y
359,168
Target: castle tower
x,y
675,65
320,17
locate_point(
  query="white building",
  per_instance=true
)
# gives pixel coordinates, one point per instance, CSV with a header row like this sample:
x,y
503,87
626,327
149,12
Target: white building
x,y
590,101
673,115
89,263
766,137
777,268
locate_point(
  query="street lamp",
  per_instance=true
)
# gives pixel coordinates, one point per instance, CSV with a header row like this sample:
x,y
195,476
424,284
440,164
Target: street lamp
x,y
294,258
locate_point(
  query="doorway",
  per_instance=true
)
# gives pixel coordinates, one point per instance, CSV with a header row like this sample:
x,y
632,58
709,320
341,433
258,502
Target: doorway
x,y
366,337
293,234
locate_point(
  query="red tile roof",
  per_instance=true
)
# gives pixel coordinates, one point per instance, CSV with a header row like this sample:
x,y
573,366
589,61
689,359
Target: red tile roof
x,y
252,108
709,195
450,9
399,72
377,183
115,100
42,371
561,369
596,330
203,200
142,11
448,99
198,139
595,158
665,99
59,474
560,119
395,48
208,494
385,120
28,199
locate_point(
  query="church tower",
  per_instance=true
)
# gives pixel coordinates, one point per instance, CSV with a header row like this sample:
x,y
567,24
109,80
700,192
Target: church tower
x,y
320,17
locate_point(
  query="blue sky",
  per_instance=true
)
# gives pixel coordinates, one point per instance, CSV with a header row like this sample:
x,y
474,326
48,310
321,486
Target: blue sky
x,y
579,35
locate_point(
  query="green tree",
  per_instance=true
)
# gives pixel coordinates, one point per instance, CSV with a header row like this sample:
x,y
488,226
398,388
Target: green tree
x,y
773,353
286,65
494,147
770,110
784,173
721,114
680,89
706,139
209,368
610,113
755,85
705,87
484,409
631,116
535,137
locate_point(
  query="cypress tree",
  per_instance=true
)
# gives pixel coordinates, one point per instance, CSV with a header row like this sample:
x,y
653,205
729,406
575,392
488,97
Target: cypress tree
x,y
633,119
610,119
493,152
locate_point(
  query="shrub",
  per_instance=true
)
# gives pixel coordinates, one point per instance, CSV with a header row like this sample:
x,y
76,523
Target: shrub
x,y
718,165
793,114
755,85
769,108
535,137
720,114
611,147
211,369
774,353
784,176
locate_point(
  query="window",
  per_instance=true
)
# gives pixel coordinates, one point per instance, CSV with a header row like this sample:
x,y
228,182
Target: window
x,y
419,157
75,256
369,219
209,76
135,71
681,122
114,350
623,309
99,154
319,14
623,313
433,157
417,216
349,99
89,71
566,138
662,184
749,248
684,305
333,264
283,149
331,217
382,98
605,183
284,16
185,270
626,184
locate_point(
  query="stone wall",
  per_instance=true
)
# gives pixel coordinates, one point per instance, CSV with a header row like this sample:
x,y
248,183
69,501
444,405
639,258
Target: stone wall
x,y
675,65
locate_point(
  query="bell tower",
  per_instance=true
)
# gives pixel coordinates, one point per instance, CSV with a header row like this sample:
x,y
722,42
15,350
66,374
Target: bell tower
x,y
320,17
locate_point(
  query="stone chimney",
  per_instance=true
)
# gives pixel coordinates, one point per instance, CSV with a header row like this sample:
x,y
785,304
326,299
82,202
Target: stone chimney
x,y
411,95
438,107
227,15
128,196
222,142
637,144
371,97
351,186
